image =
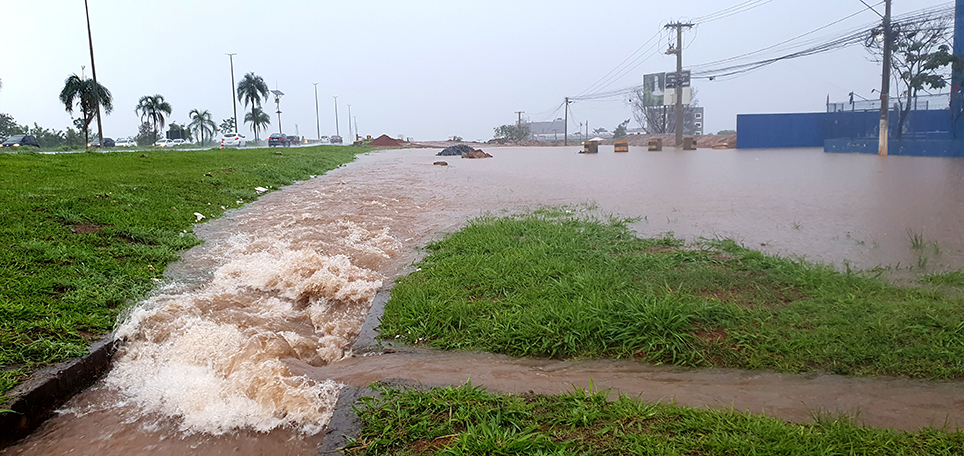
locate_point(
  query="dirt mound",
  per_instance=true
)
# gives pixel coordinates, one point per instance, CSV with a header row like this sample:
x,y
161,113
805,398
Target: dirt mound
x,y
385,140
476,153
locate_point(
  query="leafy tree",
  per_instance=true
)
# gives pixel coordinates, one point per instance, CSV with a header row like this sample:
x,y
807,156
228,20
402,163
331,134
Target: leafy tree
x,y
152,109
145,134
88,95
726,132
202,124
9,127
921,58
252,90
620,131
227,125
258,120
513,132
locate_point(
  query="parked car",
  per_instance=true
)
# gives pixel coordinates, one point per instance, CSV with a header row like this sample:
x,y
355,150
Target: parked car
x,y
278,139
21,140
125,142
178,142
233,140
108,142
335,139
163,142
294,140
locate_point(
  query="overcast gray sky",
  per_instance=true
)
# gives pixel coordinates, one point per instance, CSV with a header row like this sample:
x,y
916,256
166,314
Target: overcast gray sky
x,y
425,69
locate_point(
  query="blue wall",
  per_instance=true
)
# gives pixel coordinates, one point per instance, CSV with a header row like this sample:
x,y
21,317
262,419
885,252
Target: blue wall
x,y
812,129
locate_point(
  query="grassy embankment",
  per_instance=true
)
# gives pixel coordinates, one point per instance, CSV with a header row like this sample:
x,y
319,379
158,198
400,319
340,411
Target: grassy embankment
x,y
551,285
83,235
469,421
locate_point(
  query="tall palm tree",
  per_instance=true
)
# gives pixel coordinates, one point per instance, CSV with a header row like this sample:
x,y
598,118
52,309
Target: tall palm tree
x,y
87,95
152,110
252,90
201,123
258,120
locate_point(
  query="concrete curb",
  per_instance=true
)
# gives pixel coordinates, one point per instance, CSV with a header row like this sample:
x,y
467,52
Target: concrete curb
x,y
47,389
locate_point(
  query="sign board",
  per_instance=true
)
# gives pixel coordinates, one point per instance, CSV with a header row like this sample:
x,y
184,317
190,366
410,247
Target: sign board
x,y
670,98
653,89
671,79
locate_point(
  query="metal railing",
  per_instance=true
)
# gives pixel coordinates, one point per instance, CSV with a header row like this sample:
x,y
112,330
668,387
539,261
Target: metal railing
x,y
920,103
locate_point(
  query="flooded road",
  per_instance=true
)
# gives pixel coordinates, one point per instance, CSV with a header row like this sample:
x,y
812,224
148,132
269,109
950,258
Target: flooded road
x,y
240,352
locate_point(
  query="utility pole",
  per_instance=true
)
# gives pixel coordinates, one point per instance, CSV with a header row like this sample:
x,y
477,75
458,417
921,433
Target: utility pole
x,y
885,86
678,50
93,70
565,136
519,122
350,135
336,116
317,121
233,98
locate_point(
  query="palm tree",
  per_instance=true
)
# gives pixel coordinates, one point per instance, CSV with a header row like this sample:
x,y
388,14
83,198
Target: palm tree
x,y
152,109
258,120
201,123
88,95
251,90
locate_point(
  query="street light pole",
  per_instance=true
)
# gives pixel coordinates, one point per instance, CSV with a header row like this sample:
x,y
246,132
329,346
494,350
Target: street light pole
x,y
317,121
336,116
233,99
93,69
277,101
352,138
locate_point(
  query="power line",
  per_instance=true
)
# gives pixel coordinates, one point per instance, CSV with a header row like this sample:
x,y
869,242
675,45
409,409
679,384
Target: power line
x,y
731,11
598,85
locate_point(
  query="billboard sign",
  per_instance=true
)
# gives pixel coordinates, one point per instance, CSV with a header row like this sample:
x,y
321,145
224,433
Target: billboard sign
x,y
671,79
654,86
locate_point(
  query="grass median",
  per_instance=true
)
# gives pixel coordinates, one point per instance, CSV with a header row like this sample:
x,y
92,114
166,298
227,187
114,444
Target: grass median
x,y
468,421
548,284
83,235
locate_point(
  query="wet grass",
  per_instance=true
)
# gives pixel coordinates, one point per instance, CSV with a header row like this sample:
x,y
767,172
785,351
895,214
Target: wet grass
x,y
84,234
469,421
549,284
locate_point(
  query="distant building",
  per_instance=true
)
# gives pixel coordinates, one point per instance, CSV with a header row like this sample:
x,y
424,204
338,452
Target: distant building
x,y
548,131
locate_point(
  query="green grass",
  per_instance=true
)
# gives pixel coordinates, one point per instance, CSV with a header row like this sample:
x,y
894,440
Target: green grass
x,y
84,234
547,284
469,421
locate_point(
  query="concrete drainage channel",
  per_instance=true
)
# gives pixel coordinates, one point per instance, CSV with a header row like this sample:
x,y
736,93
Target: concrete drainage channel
x,y
36,399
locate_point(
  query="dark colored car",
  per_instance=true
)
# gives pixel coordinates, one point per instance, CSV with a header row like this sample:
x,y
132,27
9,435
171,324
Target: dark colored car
x,y
278,139
21,140
108,142
294,140
335,139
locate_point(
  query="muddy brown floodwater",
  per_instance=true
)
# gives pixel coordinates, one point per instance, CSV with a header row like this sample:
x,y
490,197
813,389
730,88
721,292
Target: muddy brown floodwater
x,y
245,348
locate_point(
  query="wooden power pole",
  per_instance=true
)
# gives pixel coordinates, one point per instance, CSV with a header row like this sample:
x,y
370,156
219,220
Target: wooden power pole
x,y
885,86
678,50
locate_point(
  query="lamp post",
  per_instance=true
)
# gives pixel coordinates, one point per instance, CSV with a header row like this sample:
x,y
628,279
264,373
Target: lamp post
x,y
277,101
317,122
336,116
93,70
233,98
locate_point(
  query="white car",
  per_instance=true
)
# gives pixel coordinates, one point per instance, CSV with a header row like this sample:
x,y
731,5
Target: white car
x,y
178,142
163,142
233,140
125,142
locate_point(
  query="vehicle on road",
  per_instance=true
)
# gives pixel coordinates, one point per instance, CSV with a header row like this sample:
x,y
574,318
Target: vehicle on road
x,y
163,142
108,142
324,138
335,139
125,142
178,142
278,139
233,140
294,140
21,140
